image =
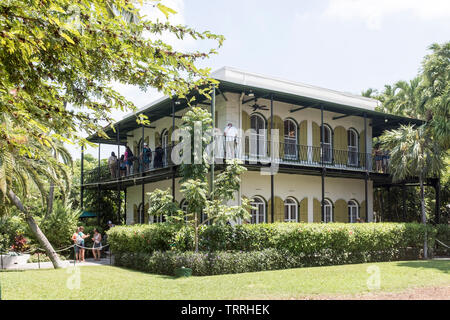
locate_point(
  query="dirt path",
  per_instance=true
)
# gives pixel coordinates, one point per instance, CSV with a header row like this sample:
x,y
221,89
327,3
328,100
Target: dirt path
x,y
429,293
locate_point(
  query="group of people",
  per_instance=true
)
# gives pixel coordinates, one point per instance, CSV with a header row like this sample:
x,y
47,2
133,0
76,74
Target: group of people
x,y
78,239
381,159
130,164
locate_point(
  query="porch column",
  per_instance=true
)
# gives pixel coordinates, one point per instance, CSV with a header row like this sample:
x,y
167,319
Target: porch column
x,y
272,205
82,179
437,189
98,186
366,176
141,169
404,201
173,144
119,200
213,116
322,128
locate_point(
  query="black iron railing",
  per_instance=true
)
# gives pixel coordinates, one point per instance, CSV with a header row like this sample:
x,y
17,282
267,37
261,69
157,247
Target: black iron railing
x,y
253,150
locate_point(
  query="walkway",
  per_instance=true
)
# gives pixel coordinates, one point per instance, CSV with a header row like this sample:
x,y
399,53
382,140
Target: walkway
x,y
65,263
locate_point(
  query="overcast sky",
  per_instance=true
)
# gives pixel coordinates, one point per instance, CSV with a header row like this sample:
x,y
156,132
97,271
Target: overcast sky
x,y
346,45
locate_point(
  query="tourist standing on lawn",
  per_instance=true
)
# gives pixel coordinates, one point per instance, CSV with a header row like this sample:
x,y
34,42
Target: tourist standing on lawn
x,y
81,244
76,240
97,239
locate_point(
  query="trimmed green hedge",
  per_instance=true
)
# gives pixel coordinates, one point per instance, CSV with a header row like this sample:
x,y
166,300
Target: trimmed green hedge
x,y
160,248
296,238
226,262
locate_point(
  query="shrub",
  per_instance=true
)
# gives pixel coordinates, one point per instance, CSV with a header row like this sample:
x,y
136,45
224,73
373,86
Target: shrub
x,y
10,227
296,238
227,262
60,225
443,235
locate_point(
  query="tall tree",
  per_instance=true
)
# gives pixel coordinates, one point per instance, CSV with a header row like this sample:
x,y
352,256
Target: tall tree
x,y
18,170
58,60
414,154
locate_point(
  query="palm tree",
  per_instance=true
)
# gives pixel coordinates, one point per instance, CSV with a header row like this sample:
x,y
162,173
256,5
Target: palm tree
x,y
408,97
413,154
59,152
18,170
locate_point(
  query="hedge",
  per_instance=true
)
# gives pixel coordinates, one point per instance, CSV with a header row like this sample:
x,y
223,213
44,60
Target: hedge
x,y
226,262
296,238
160,248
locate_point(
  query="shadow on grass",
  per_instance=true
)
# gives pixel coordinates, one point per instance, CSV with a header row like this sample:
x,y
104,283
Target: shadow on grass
x,y
160,276
441,265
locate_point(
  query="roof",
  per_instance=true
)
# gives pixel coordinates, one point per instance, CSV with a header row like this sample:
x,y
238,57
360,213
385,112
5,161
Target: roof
x,y
87,214
235,80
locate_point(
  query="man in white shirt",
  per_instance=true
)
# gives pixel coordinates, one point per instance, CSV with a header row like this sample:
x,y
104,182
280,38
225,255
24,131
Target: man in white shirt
x,y
230,134
112,163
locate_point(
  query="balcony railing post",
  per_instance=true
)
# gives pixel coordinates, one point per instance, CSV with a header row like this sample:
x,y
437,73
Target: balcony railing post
x,y
82,179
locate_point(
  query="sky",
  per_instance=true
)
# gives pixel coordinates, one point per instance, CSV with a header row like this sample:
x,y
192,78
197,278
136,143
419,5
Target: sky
x,y
344,45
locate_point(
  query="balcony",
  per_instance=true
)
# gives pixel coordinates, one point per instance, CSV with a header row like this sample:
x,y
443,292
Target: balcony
x,y
253,152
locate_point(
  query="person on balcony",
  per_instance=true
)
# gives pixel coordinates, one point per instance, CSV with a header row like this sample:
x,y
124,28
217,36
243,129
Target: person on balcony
x,y
112,163
378,158
146,157
230,134
122,166
129,157
159,154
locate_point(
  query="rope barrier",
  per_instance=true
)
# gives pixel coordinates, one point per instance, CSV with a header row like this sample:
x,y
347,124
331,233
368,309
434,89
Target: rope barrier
x,y
442,244
91,248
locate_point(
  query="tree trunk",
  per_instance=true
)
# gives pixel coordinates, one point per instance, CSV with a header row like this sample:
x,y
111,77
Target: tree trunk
x,y
196,232
424,217
36,230
51,195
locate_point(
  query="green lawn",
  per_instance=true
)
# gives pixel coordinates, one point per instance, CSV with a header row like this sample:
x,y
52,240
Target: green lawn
x,y
106,282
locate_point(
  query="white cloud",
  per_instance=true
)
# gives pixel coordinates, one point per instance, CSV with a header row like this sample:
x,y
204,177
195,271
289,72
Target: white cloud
x,y
373,11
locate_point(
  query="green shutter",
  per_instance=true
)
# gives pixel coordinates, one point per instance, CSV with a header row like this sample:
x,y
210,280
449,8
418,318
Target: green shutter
x,y
362,211
316,142
278,124
303,210
303,140
340,211
317,215
340,145
362,145
135,214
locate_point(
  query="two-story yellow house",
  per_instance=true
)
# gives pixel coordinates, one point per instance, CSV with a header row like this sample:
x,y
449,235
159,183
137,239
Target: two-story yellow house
x,y
325,171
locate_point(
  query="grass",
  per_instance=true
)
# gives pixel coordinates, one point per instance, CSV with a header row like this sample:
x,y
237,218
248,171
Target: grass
x,y
108,282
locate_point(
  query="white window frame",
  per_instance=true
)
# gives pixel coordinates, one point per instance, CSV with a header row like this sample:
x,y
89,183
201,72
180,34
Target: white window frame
x,y
327,204
290,140
352,150
352,204
260,138
327,147
291,205
255,214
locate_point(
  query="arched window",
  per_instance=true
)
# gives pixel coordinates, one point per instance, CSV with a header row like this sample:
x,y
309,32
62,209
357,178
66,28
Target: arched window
x,y
352,141
290,210
290,139
327,211
353,211
327,143
259,212
258,136
184,205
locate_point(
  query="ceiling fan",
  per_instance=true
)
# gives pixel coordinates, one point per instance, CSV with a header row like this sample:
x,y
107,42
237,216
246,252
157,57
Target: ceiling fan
x,y
256,106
